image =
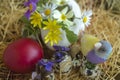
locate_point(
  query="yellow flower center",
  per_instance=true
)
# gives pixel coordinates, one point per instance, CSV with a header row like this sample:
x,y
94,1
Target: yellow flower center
x,y
63,17
30,7
47,12
85,19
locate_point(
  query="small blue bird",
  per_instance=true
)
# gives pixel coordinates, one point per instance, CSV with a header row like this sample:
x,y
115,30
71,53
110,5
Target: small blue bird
x,y
100,53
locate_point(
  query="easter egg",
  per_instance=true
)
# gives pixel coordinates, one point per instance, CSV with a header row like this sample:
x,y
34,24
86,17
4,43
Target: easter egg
x,y
22,55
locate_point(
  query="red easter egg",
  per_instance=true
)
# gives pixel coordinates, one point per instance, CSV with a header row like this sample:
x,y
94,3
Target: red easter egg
x,y
22,55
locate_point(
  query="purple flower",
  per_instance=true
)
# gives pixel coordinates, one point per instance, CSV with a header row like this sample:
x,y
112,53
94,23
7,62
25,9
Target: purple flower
x,y
59,56
47,64
32,7
61,48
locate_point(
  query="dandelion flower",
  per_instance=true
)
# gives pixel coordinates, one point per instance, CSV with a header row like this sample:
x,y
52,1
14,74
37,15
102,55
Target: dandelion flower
x,y
53,37
54,33
36,19
51,25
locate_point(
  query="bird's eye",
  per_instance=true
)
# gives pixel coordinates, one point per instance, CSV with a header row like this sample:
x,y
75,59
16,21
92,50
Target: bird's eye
x,y
102,49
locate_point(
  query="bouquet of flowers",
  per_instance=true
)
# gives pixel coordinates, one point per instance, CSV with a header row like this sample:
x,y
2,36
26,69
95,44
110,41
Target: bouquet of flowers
x,y
59,21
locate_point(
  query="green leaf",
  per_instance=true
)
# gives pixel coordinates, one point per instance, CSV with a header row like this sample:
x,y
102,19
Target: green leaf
x,y
72,37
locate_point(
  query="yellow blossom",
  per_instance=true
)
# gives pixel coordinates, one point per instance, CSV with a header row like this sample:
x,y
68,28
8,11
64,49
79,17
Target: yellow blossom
x,y
54,34
53,37
51,25
36,19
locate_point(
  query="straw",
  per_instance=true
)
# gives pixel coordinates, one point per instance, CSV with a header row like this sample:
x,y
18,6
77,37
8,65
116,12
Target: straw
x,y
105,24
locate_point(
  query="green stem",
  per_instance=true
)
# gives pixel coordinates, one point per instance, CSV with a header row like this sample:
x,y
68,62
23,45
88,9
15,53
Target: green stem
x,y
37,37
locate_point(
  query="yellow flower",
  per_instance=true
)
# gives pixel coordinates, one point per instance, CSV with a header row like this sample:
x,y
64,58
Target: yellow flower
x,y
51,25
53,37
36,19
54,34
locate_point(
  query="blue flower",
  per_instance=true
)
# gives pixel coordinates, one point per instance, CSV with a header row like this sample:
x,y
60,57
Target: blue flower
x,y
32,7
46,64
59,56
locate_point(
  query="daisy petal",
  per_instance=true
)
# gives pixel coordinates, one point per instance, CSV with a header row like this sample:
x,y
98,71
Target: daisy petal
x,y
64,11
89,13
70,14
56,14
68,22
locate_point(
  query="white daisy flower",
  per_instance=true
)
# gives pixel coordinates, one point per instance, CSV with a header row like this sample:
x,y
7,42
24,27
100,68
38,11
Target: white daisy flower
x,y
60,2
80,23
48,9
64,16
86,17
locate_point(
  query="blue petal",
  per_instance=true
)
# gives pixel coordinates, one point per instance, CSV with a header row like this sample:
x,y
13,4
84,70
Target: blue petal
x,y
35,1
34,6
27,3
42,62
59,54
60,48
48,67
27,14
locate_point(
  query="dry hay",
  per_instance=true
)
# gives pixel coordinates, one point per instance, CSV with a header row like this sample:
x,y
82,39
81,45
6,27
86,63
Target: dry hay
x,y
105,25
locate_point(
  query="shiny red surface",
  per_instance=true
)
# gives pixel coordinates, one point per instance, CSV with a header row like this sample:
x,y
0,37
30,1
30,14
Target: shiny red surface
x,y
22,55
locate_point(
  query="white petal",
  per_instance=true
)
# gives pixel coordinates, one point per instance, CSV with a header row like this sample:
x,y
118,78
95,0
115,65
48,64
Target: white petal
x,y
89,13
53,7
69,23
34,74
64,11
70,14
64,41
78,26
87,24
75,7
84,13
56,14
